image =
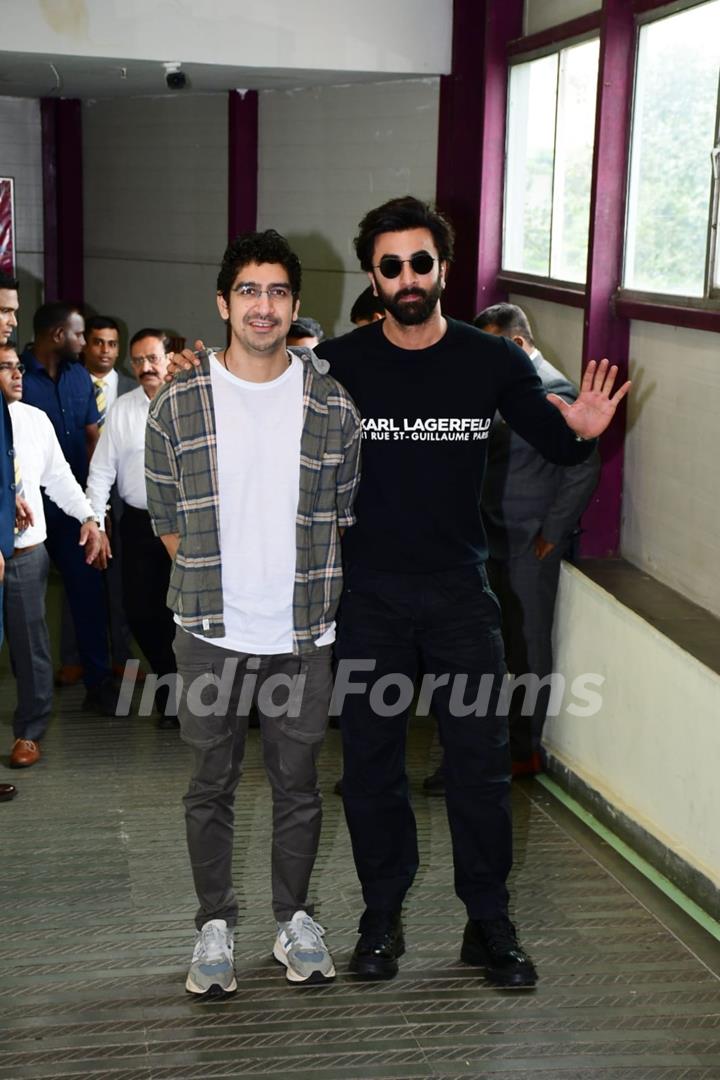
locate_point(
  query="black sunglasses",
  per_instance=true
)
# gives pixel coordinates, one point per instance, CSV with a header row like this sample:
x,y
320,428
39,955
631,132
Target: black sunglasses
x,y
390,266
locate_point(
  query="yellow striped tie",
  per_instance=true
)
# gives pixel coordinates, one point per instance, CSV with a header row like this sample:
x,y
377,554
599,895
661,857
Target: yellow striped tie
x,y
100,400
19,488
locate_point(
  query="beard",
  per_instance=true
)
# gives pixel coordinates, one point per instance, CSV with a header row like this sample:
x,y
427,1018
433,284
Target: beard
x,y
72,357
411,312
262,343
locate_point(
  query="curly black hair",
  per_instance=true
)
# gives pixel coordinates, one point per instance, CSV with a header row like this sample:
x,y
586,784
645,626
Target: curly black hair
x,y
258,247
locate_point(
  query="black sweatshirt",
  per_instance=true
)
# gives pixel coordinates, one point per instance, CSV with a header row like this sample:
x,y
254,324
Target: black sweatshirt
x,y
426,417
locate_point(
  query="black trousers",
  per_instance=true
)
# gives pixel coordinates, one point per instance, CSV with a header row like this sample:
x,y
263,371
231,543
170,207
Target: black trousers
x,y
145,579
526,588
448,625
85,591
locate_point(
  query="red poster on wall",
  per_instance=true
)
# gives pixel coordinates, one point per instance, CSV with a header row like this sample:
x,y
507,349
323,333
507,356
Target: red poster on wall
x,y
7,226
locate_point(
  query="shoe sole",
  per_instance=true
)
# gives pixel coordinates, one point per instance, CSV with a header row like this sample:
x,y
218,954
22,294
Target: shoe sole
x,y
376,968
213,993
519,981
315,978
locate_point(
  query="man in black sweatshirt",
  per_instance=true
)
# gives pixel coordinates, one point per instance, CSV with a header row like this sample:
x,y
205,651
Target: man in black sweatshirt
x,y
416,595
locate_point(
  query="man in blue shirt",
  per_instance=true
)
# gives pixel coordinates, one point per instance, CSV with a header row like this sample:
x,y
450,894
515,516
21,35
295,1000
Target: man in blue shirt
x,y
62,388
8,321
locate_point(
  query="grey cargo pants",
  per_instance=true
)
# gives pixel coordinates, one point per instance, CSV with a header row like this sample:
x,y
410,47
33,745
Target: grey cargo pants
x,y
218,686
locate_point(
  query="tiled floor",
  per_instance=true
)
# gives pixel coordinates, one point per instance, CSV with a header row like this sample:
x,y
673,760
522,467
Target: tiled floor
x,y
96,908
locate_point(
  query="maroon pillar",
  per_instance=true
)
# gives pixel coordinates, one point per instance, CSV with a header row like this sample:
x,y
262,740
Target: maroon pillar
x,y
242,161
62,198
605,333
471,148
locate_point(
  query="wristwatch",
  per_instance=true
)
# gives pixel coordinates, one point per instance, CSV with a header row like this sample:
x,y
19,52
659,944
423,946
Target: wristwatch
x,y
93,517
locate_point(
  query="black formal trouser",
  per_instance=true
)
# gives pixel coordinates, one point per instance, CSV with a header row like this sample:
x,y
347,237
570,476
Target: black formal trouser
x,y
447,625
145,580
85,592
526,588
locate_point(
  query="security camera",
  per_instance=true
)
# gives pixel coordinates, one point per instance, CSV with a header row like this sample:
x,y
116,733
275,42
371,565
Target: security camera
x,y
175,78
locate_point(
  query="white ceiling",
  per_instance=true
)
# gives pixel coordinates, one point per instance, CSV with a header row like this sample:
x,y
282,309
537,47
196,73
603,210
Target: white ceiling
x,y
35,75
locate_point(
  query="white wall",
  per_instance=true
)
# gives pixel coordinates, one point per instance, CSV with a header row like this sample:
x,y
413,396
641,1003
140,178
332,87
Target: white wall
x,y
558,333
156,193
21,158
541,14
671,490
327,156
407,36
652,749
671,505
156,210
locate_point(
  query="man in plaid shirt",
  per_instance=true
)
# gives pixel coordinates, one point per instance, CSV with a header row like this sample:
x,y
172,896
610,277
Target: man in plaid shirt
x,y
252,463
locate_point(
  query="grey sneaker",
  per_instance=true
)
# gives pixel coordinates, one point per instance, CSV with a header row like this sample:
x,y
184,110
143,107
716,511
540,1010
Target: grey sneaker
x,y
211,973
300,947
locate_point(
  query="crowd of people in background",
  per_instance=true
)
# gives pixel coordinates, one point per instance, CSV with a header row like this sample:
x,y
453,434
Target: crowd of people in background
x,y
198,508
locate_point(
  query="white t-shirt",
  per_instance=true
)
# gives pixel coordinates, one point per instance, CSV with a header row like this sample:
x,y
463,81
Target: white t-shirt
x,y
259,428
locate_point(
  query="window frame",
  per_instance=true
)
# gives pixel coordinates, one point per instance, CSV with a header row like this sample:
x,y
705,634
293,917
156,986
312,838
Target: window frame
x,y
627,304
712,266
522,51
699,312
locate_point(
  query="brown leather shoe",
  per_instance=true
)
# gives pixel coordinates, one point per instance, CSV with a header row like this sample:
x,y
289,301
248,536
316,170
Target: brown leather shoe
x,y
7,792
528,766
118,671
68,675
25,752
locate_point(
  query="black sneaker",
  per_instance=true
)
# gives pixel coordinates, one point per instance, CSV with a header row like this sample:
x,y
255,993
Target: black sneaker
x,y
102,698
492,944
381,943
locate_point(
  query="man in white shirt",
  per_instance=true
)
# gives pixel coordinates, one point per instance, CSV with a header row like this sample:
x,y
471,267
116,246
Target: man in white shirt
x,y
145,564
39,463
9,305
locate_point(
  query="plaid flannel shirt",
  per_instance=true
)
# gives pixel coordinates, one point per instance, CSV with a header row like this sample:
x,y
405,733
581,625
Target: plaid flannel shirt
x,y
181,474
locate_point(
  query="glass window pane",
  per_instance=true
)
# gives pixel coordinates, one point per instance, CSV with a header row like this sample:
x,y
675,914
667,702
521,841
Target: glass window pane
x,y
573,160
716,269
673,134
529,168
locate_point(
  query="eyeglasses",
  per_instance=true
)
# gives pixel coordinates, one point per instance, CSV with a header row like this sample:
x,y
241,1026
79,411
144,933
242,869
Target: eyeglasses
x,y
20,368
390,266
136,361
254,292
